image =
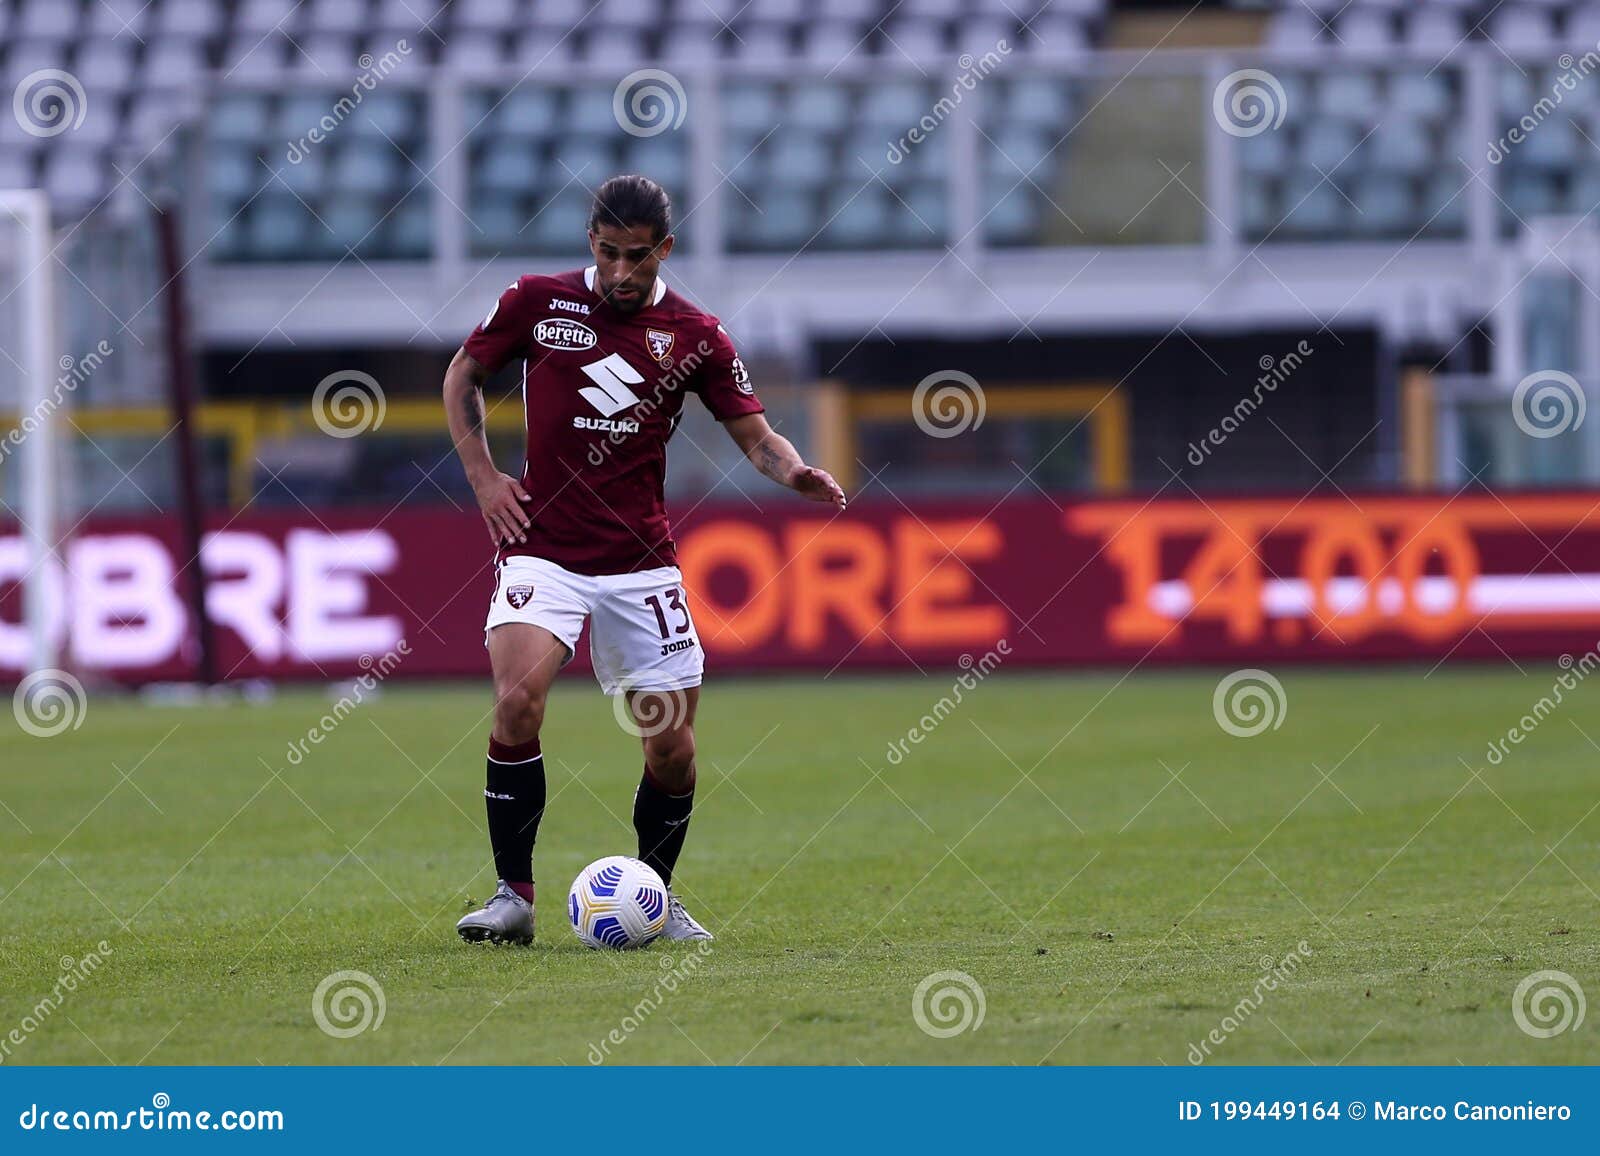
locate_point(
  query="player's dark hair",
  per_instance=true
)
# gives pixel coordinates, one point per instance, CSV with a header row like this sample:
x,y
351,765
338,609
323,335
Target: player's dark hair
x,y
632,200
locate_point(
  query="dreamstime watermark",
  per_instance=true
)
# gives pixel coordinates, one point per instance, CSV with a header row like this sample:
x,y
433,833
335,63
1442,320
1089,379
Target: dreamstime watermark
x,y
348,403
972,71
1548,1003
348,1003
360,690
74,372
975,671
649,102
644,714
1273,972
948,1003
1274,372
1249,701
1575,670
674,972
948,403
49,102
373,69
73,972
1249,102
47,703
1548,403
679,370
1572,71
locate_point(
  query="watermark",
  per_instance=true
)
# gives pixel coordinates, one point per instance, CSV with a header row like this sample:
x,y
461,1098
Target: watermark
x,y
1548,403
348,403
1274,372
348,1003
160,1116
360,690
644,714
74,372
73,972
948,1003
1249,701
372,71
1548,1003
1575,670
947,403
1273,972
975,671
972,71
47,703
1572,71
649,102
49,102
1249,102
673,973
679,370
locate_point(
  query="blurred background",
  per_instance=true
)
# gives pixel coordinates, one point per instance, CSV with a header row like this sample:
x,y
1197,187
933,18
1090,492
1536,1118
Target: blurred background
x,y
1215,330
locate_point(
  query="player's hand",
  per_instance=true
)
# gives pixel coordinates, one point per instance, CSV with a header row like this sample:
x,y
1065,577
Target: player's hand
x,y
502,500
817,485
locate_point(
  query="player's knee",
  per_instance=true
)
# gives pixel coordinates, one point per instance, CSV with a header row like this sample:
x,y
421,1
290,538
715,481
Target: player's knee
x,y
671,757
518,714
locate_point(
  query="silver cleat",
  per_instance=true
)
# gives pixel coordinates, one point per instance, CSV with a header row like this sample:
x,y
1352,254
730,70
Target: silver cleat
x,y
680,924
506,918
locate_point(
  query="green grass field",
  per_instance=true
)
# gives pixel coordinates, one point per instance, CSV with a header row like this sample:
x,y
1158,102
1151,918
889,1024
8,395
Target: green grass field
x,y
1037,841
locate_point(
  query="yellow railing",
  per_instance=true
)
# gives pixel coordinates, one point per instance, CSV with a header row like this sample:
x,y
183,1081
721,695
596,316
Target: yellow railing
x,y
834,415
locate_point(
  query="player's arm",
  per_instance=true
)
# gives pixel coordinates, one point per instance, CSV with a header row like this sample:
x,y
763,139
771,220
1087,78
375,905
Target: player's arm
x,y
500,496
775,456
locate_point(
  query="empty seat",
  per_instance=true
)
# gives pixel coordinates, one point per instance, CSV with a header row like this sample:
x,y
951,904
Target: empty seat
x,y
1383,205
487,15
174,62
119,18
1349,95
1422,96
107,63
896,104
1038,100
1400,146
1430,30
526,112
191,18
762,44
820,108
507,167
1361,30
47,20
366,167
1522,29
750,108
256,18
346,16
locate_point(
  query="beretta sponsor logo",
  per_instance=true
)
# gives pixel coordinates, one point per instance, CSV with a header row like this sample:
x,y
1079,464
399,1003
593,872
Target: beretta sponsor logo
x,y
561,333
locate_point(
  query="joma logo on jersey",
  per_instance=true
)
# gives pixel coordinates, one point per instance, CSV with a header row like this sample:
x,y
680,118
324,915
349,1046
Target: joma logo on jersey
x,y
569,306
559,333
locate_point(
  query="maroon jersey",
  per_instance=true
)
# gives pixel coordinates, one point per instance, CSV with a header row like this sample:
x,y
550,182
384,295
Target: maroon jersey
x,y
602,391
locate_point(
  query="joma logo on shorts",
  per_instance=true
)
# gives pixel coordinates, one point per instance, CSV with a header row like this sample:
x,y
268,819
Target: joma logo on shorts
x,y
673,647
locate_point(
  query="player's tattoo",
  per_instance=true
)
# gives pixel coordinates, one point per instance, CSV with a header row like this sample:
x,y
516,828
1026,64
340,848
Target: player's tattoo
x,y
771,462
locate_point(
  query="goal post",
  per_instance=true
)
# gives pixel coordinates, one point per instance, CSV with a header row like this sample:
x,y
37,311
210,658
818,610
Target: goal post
x,y
32,437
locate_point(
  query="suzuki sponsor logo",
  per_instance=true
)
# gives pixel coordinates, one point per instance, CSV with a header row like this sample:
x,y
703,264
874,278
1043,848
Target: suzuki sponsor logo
x,y
606,425
560,333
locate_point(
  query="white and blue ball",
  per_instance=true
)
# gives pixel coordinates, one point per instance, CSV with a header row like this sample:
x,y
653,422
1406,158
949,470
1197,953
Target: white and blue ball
x,y
617,902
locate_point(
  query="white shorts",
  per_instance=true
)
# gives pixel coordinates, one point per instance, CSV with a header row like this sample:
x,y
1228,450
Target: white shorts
x,y
641,637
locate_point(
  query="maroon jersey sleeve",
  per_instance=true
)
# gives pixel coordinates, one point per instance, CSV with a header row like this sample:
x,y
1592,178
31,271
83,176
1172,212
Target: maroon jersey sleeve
x,y
723,382
503,334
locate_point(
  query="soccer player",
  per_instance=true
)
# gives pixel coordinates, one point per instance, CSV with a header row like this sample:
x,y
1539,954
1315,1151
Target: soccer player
x,y
609,354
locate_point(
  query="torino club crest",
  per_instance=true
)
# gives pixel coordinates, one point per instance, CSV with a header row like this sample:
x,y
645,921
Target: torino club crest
x,y
518,596
659,342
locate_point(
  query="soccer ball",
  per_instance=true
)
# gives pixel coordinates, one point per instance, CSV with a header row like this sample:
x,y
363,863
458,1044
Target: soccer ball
x,y
617,902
